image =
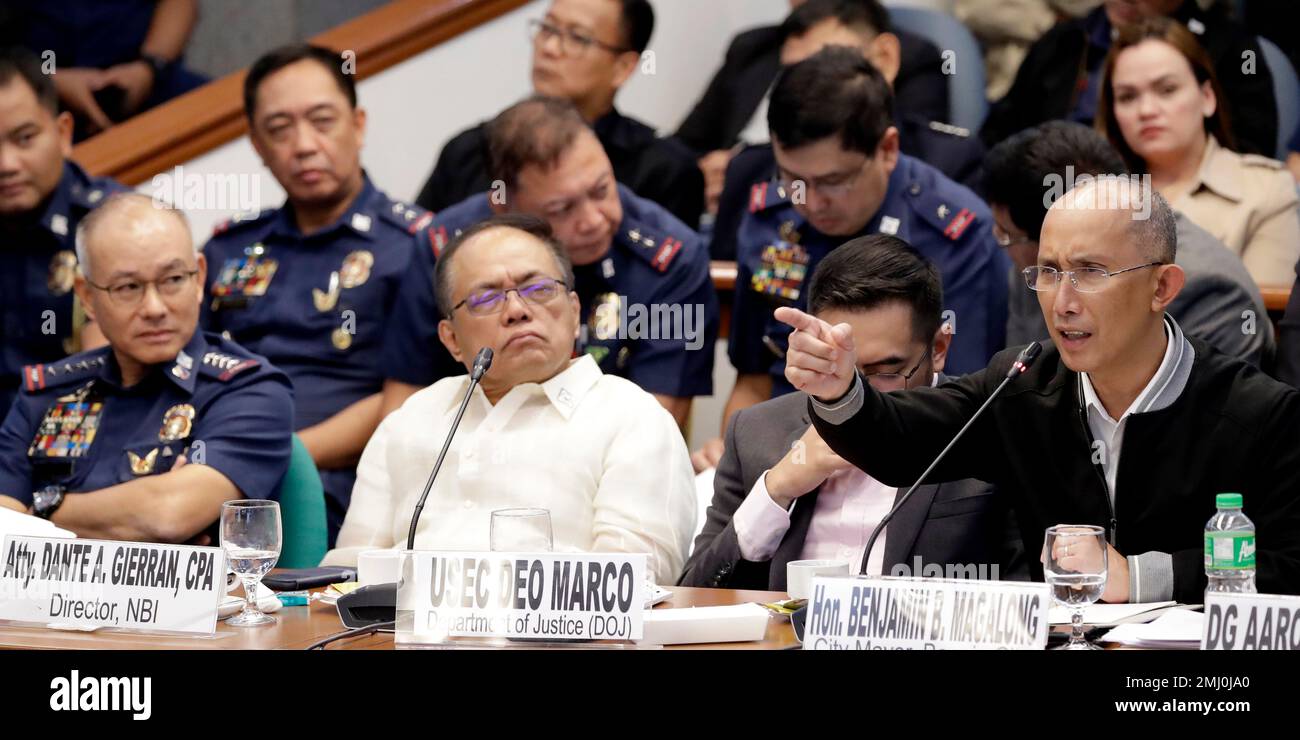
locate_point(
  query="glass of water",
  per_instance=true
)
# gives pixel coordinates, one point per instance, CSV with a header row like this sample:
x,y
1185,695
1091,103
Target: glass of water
x,y
521,530
250,535
1074,565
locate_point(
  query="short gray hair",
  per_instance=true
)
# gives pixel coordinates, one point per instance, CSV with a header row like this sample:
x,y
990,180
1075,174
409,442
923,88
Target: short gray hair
x,y
1152,225
111,205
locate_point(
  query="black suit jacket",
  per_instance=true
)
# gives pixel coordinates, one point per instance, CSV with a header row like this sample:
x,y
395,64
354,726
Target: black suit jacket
x,y
661,170
752,63
958,523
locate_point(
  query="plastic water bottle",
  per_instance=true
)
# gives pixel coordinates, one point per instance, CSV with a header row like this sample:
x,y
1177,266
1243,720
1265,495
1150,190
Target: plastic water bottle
x,y
1230,548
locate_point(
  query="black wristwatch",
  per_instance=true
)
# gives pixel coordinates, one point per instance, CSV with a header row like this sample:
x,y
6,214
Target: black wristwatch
x,y
47,500
156,63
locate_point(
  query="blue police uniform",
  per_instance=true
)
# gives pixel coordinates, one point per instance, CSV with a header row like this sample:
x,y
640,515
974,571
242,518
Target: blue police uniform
x,y
316,305
778,251
37,269
75,426
655,268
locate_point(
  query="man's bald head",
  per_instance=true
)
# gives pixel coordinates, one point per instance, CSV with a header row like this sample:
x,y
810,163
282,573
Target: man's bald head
x,y
127,216
1152,227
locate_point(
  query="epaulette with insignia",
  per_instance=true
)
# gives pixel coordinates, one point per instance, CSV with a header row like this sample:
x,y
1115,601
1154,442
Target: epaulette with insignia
x,y
438,238
240,219
656,248
766,195
949,217
408,218
77,368
224,367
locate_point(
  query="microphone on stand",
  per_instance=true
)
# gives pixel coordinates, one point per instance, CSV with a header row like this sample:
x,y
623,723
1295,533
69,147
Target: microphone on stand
x,y
1022,363
377,604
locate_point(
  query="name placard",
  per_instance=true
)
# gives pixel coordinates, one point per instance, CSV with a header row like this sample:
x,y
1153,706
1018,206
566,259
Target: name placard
x,y
443,596
926,614
1251,622
98,583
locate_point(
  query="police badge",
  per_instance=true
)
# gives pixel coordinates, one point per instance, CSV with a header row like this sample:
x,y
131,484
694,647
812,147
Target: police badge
x,y
606,315
63,272
356,269
142,465
177,423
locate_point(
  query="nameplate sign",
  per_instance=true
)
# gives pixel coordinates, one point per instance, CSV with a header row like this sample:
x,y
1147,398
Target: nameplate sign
x,y
98,583
443,596
1251,622
926,614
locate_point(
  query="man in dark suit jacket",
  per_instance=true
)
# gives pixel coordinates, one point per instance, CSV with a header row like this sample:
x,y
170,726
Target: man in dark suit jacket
x,y
733,98
780,494
585,53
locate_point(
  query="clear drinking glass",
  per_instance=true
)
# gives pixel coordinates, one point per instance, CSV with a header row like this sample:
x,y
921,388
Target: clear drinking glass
x,y
250,535
521,530
1074,565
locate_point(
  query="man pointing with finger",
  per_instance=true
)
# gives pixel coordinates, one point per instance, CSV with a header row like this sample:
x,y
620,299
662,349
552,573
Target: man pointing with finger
x,y
1123,422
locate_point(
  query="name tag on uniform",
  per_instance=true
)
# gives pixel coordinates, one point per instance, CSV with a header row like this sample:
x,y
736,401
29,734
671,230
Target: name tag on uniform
x,y
926,614
495,597
123,585
1251,622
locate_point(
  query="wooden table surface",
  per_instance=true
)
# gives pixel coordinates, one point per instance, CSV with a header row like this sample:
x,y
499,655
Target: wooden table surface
x,y
297,627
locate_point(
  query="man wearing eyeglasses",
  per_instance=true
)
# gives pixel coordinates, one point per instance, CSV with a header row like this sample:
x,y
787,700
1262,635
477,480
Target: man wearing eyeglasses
x,y
145,438
840,175
1123,422
584,51
43,197
542,430
1219,302
631,258
780,494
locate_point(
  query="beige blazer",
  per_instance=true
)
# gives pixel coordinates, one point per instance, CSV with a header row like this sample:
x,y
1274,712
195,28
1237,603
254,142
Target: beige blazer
x,y
1249,203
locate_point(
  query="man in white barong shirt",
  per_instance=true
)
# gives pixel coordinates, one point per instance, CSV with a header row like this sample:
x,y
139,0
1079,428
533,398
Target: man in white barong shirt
x,y
543,429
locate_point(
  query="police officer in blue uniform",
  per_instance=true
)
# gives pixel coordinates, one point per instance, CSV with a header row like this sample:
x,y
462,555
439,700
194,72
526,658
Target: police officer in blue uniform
x,y
650,312
43,197
311,285
145,438
842,176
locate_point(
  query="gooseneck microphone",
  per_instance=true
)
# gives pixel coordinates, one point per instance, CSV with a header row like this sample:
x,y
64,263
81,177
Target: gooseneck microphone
x,y
482,362
376,604
1022,363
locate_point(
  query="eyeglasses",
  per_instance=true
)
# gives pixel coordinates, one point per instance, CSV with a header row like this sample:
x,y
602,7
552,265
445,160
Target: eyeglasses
x,y
1084,279
131,292
487,302
571,42
830,186
895,381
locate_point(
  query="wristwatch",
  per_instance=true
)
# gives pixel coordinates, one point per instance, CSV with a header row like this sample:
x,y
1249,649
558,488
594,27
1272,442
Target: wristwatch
x,y
47,500
156,63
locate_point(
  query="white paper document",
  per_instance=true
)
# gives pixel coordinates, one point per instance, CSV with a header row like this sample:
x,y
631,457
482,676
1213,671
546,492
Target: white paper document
x,y
1176,628
1110,614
